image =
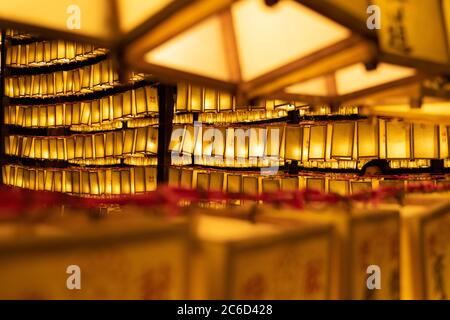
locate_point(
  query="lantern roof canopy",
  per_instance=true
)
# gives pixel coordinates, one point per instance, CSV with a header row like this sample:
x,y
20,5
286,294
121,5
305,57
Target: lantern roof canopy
x,y
309,48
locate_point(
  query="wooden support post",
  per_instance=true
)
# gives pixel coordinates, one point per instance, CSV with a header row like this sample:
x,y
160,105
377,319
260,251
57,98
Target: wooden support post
x,y
166,96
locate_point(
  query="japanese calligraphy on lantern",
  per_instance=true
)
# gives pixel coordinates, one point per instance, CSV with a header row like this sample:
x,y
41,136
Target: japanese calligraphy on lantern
x,y
127,266
375,241
436,248
407,31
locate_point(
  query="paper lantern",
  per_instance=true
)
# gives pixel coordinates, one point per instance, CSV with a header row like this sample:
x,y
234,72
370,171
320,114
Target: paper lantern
x,y
367,133
341,187
271,185
203,181
342,140
176,140
317,184
425,141
241,143
234,185
257,142
273,148
289,184
187,178
174,177
250,186
398,140
216,181
210,100
294,143
196,98
317,142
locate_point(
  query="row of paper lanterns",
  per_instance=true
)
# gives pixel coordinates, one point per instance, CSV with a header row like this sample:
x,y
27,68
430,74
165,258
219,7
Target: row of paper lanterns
x,y
192,98
89,146
49,52
255,183
132,103
81,80
104,181
338,140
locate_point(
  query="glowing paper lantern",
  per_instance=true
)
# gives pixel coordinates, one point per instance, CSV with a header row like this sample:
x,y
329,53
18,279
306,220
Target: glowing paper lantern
x,y
398,140
367,133
425,141
294,143
341,187
317,142
342,140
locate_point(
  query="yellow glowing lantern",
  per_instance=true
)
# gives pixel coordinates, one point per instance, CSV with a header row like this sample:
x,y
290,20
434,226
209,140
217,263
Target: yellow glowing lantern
x,y
216,181
189,138
187,178
398,140
174,176
234,185
342,140
257,142
317,142
425,141
341,187
289,184
118,143
176,140
250,185
274,138
128,141
195,98
203,181
210,100
294,143
271,185
317,184
152,140
218,148
367,136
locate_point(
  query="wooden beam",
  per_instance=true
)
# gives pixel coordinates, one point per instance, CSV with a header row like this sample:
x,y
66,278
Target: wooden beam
x,y
230,44
172,76
406,87
281,95
342,54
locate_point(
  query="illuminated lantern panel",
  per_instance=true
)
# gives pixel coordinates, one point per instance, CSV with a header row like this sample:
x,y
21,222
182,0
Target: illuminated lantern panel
x,y
294,143
342,140
398,140
367,139
426,143
317,141
103,181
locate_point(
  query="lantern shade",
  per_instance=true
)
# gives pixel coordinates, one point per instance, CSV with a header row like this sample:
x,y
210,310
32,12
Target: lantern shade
x,y
294,143
361,186
367,136
271,185
341,187
317,184
216,181
274,142
257,142
342,140
425,141
203,181
317,142
250,185
398,140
